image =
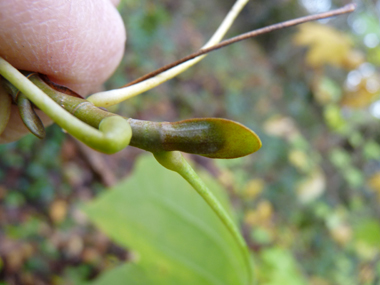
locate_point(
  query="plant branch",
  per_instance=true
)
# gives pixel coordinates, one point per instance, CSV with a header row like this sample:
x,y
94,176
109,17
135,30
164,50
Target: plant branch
x,y
112,97
114,132
176,162
167,72
346,9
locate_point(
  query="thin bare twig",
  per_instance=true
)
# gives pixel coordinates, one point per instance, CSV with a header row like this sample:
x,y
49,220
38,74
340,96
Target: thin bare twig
x,y
343,10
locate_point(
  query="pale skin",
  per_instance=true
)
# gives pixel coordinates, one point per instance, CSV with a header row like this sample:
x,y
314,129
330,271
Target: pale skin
x,y
78,44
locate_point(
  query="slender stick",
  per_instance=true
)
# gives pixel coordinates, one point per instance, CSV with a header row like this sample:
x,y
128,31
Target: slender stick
x,y
112,97
176,162
346,9
155,78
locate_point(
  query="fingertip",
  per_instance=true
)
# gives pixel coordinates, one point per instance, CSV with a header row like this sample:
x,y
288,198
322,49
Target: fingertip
x,y
115,2
76,43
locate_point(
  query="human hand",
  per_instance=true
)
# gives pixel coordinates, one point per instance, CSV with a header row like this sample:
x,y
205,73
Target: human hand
x,y
78,44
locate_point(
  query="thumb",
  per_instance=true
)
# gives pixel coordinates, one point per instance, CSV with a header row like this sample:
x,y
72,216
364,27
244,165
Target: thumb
x,y
76,43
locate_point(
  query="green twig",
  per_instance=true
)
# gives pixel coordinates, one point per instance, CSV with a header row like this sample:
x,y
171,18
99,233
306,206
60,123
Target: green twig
x,y
116,96
5,111
114,132
175,161
152,79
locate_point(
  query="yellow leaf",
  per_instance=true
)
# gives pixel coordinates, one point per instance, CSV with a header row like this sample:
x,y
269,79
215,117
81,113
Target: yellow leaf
x,y
58,210
325,90
299,159
261,216
342,233
334,118
253,188
74,246
363,94
226,177
326,45
353,60
279,126
374,182
367,275
312,187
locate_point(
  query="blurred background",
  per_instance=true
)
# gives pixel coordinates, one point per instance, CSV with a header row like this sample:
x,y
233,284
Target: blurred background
x,y
308,201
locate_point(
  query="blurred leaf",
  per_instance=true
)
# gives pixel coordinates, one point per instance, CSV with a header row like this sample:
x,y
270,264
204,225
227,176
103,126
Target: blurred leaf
x,y
353,176
334,119
14,199
262,235
312,187
340,230
340,158
326,90
343,161
300,160
374,56
126,274
279,267
262,215
362,94
279,126
29,228
374,182
341,233
58,211
367,25
253,188
356,139
371,150
368,231
178,238
326,45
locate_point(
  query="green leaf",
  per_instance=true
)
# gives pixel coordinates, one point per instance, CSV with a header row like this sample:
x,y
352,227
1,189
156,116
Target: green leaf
x,y
334,118
371,150
368,231
177,237
278,266
237,139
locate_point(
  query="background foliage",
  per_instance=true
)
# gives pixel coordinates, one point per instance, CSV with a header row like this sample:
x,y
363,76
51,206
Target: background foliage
x,y
307,202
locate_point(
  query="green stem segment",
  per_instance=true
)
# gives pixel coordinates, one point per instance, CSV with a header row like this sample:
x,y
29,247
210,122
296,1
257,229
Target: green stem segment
x,y
5,111
26,110
210,137
29,116
114,132
175,161
78,107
